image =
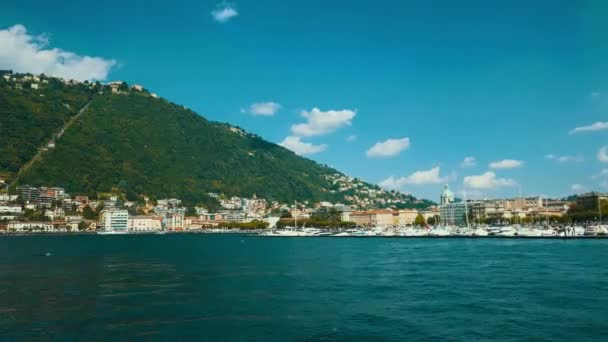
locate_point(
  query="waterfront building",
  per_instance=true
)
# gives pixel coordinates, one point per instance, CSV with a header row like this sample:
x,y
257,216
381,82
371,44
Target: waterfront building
x,y
114,220
404,217
345,215
235,216
211,219
373,218
144,223
433,212
591,200
541,213
30,226
174,221
455,213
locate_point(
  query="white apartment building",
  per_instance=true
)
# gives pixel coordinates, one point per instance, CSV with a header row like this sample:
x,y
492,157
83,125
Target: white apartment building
x,y
26,226
12,209
114,220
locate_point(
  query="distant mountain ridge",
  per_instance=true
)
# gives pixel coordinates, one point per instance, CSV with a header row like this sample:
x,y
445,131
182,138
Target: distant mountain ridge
x,y
142,144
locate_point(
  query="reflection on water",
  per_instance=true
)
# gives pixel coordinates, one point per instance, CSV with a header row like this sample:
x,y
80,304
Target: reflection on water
x,y
232,287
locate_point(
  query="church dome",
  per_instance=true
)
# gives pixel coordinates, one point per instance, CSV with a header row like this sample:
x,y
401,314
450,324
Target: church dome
x,y
447,196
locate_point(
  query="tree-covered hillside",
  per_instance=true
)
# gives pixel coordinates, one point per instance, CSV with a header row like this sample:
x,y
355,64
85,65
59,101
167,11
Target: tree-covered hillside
x,y
28,118
148,145
132,140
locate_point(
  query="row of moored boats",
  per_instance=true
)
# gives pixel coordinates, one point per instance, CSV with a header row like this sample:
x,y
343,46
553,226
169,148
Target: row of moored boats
x,y
444,231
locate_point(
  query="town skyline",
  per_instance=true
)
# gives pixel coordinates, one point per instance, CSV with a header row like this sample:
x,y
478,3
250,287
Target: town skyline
x,y
374,99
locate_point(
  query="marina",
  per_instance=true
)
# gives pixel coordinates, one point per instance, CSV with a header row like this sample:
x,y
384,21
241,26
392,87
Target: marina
x,y
509,231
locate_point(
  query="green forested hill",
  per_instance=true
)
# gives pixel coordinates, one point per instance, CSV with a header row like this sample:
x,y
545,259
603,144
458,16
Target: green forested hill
x,y
28,118
146,145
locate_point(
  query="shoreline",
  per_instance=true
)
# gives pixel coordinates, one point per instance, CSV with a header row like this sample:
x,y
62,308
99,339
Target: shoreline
x,y
256,235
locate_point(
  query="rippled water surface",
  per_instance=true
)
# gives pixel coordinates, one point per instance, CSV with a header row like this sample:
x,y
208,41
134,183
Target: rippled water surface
x,y
231,287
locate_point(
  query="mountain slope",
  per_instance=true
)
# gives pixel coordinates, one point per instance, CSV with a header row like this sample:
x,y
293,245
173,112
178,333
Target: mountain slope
x,y
28,119
146,145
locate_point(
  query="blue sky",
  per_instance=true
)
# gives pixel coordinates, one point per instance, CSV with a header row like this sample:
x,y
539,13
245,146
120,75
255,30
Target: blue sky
x,y
393,92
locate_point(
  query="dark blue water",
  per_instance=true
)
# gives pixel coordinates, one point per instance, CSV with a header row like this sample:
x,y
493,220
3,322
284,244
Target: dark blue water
x,y
229,287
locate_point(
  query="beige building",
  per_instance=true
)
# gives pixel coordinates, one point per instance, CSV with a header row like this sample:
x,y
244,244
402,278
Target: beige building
x,y
175,222
544,212
374,218
428,213
404,217
145,223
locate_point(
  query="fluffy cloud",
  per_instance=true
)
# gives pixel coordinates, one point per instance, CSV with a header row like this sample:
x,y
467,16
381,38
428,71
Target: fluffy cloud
x,y
224,12
431,176
602,174
388,148
487,180
602,154
264,108
564,159
598,126
577,188
468,162
506,164
319,122
23,52
299,147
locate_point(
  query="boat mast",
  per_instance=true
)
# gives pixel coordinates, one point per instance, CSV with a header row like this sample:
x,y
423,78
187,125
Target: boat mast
x,y
546,214
599,207
295,214
466,210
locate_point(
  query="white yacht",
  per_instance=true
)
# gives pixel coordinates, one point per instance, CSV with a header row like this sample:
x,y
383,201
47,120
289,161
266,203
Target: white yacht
x,y
479,232
592,230
506,231
112,232
440,231
529,232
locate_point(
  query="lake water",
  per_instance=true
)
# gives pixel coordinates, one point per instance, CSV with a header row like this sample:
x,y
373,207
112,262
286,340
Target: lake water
x,y
234,287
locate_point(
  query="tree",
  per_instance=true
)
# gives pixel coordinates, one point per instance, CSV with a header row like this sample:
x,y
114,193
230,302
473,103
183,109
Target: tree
x,y
82,225
431,220
190,211
88,213
420,221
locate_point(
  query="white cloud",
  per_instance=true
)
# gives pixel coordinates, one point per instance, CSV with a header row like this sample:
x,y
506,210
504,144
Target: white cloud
x,y
431,176
388,148
351,138
564,159
577,188
23,52
597,126
602,154
468,162
299,147
487,180
264,108
506,164
224,12
320,123
602,174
